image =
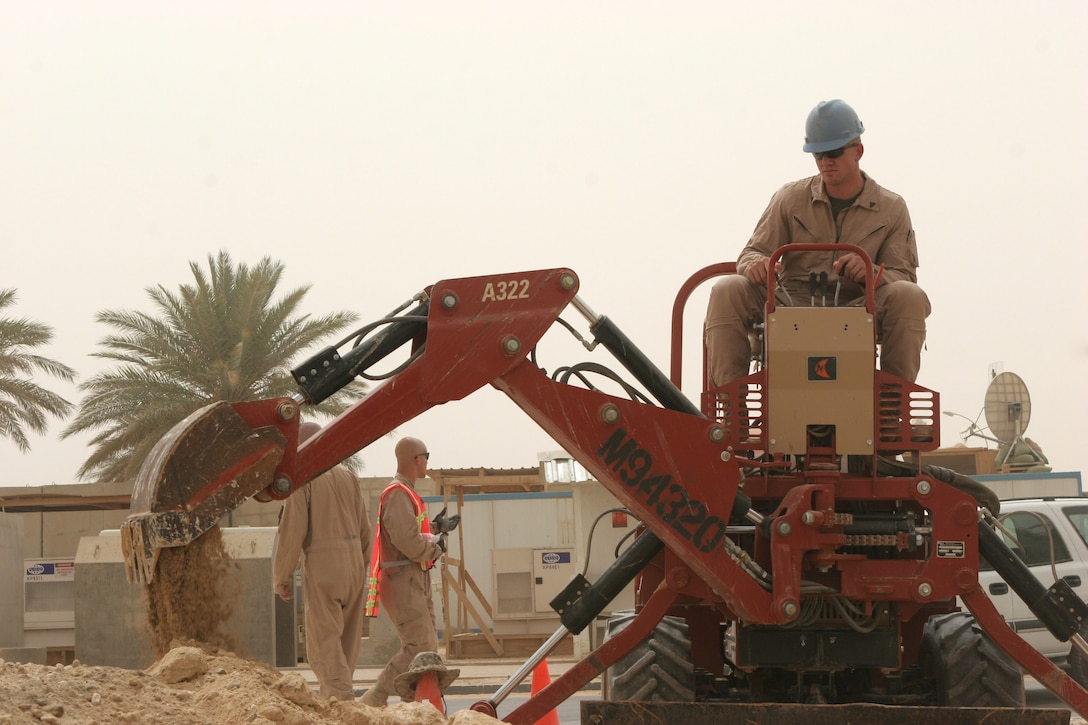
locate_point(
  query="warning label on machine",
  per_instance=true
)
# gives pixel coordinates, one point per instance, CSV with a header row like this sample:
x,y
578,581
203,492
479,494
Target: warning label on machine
x,y
950,549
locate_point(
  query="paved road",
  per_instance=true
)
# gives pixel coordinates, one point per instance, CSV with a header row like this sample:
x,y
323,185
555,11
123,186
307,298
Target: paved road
x,y
1039,696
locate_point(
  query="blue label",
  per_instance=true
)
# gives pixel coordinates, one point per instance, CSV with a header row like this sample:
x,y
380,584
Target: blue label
x,y
555,557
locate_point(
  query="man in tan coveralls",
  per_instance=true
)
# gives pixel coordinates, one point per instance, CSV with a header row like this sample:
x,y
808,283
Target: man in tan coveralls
x,y
841,204
326,521
405,586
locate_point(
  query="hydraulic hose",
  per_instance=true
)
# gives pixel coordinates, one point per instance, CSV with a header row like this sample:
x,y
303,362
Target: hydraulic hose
x,y
329,371
656,382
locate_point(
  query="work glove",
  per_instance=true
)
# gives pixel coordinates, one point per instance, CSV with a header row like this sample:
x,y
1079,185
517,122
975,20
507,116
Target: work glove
x,y
442,524
439,539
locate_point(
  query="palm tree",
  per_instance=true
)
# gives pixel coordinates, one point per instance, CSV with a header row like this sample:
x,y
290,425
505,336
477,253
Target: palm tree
x,y
23,403
223,338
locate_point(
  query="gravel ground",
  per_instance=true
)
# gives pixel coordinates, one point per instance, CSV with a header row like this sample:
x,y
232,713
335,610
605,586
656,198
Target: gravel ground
x,y
191,685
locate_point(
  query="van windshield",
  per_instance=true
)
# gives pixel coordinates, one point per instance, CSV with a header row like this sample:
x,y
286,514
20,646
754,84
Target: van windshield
x,y
1078,516
1034,539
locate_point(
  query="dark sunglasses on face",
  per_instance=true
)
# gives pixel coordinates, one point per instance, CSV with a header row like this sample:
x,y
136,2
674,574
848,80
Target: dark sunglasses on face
x,y
835,153
426,455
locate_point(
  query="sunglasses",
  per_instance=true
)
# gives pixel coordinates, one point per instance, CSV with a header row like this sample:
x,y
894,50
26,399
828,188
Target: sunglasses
x,y
425,454
835,153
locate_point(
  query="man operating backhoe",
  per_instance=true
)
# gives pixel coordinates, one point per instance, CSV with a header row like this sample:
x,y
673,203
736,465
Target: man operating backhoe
x,y
839,205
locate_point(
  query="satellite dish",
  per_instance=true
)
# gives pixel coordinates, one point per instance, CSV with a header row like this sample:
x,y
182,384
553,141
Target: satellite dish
x,y
1007,407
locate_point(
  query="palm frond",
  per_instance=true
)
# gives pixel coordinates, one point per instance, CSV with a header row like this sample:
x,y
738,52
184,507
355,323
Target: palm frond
x,y
226,336
25,405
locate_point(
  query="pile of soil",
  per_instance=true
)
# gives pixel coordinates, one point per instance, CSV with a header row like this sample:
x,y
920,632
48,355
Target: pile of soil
x,y
198,679
190,597
192,684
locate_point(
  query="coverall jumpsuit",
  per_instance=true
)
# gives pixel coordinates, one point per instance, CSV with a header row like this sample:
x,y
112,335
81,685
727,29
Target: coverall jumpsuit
x,y
405,590
327,522
800,212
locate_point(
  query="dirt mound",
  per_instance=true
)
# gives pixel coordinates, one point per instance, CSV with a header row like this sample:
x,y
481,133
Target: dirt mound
x,y
198,679
197,685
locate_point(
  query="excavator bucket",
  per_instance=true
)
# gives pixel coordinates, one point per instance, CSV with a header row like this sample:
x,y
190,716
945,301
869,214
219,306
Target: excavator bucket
x,y
206,466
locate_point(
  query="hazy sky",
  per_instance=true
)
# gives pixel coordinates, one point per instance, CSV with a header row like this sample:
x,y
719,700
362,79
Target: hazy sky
x,y
376,148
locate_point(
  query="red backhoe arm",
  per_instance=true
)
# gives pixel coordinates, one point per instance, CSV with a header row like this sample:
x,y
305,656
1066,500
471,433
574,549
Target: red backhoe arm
x,y
477,329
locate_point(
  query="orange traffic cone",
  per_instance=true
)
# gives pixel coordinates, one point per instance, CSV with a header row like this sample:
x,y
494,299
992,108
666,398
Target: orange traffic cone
x,y
427,691
541,679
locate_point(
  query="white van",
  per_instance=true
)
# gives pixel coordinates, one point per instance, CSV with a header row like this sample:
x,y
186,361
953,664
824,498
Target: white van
x,y
1051,536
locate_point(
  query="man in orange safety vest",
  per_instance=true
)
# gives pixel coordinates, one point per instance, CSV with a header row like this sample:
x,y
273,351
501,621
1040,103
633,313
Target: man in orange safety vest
x,y
404,552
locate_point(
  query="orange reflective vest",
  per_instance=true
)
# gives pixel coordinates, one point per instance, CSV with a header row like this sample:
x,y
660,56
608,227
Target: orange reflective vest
x,y
374,580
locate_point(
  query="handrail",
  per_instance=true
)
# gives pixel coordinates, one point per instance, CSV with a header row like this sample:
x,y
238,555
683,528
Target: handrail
x,y
677,356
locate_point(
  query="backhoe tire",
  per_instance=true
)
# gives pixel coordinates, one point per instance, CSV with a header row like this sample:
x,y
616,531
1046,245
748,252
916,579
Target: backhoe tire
x,y
1076,664
658,669
967,668
1077,667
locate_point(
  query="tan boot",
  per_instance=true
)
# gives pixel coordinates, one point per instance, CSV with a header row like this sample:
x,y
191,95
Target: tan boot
x,y
374,697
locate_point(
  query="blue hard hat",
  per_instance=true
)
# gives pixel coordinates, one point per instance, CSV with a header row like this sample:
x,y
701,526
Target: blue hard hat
x,y
831,125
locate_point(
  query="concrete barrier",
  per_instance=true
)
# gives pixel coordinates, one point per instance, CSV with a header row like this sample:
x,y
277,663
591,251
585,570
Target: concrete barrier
x,y
111,613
